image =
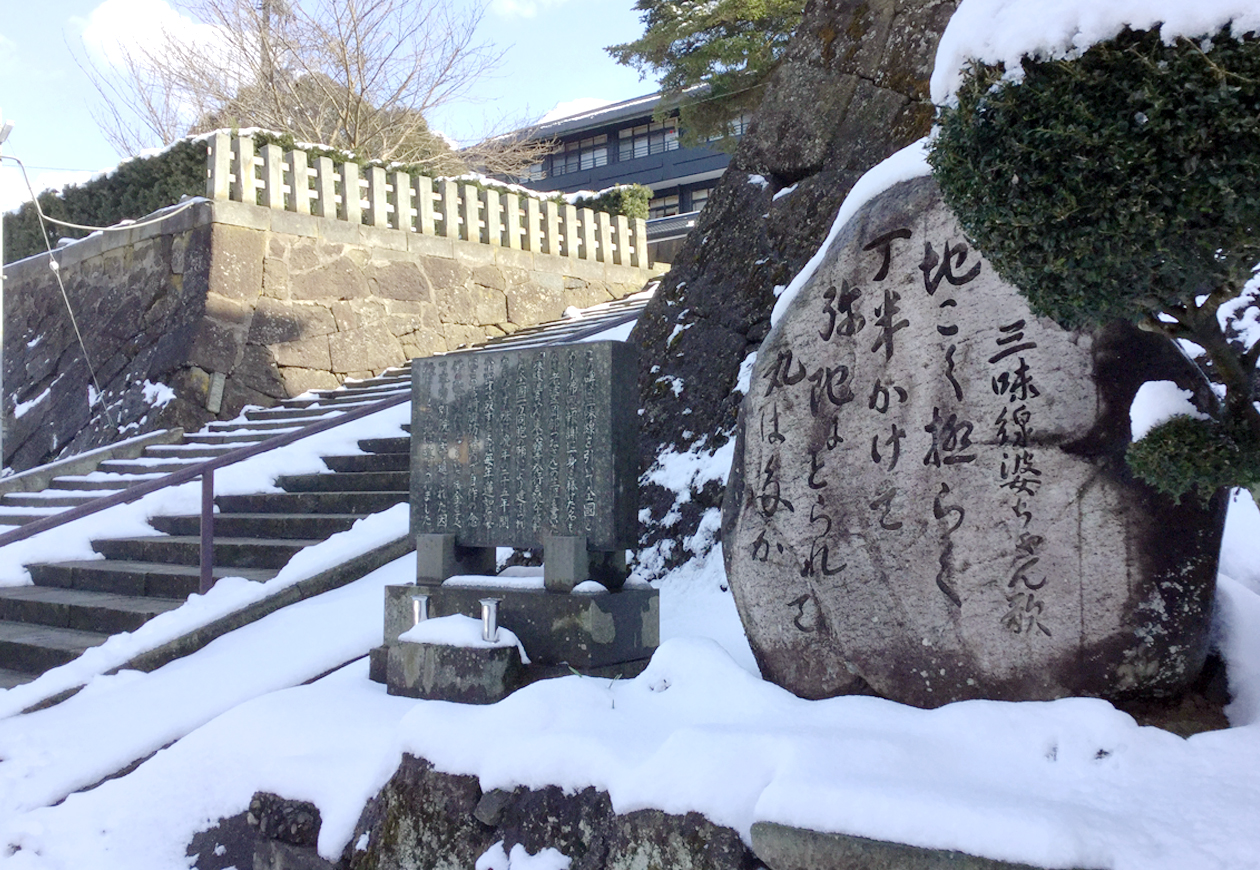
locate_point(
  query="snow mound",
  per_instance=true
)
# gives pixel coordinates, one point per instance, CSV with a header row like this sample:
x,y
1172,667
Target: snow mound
x,y
1004,31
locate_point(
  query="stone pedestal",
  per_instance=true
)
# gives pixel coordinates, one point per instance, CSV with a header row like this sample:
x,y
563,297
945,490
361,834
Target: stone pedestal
x,y
582,631
467,675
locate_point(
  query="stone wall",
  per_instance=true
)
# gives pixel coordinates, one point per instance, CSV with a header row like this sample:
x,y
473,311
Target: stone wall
x,y
230,304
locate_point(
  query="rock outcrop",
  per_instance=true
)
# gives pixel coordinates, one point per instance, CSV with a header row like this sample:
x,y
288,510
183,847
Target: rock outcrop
x,y
852,90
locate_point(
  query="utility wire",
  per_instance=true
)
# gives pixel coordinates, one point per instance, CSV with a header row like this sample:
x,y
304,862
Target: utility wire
x,y
56,270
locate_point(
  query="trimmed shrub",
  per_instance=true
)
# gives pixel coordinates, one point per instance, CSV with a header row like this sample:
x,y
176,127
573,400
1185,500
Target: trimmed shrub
x,y
1116,184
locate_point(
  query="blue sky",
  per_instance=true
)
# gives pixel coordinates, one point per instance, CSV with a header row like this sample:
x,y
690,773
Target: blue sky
x,y
554,54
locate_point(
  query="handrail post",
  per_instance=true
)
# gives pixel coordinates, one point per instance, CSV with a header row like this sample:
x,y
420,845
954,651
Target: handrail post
x,y
207,530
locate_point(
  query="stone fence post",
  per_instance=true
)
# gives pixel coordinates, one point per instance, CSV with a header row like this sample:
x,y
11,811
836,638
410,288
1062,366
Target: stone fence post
x,y
284,181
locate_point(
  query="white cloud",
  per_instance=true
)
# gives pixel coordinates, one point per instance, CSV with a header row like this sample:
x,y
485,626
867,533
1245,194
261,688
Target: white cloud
x,y
13,190
119,26
574,107
523,8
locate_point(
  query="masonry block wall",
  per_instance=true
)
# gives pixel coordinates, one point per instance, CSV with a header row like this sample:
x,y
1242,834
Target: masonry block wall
x,y
226,304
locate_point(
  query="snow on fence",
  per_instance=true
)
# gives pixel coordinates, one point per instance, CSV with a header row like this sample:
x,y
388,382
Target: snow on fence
x,y
418,204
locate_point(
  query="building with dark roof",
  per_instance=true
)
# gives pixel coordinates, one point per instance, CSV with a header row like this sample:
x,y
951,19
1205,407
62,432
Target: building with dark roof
x,y
623,144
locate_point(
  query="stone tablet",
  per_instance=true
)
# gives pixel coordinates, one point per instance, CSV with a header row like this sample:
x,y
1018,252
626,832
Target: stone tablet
x,y
929,498
512,446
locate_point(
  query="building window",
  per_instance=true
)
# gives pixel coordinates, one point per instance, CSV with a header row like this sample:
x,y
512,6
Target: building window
x,y
699,198
734,127
647,139
537,172
663,206
580,155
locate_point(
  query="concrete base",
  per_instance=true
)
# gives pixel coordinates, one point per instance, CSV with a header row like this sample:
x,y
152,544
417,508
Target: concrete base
x,y
377,658
466,675
582,631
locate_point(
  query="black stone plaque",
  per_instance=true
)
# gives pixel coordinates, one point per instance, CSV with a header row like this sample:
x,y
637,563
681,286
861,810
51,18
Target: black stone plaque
x,y
510,446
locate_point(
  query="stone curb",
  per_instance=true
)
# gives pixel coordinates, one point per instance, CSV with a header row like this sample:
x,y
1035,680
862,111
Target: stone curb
x,y
783,847
325,581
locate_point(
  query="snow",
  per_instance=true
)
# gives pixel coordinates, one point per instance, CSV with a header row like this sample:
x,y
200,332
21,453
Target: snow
x,y
158,395
1157,402
20,409
744,379
1070,783
572,108
910,162
519,859
461,631
1003,31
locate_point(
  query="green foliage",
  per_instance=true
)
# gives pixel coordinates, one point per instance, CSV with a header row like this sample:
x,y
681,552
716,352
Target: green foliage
x,y
136,188
630,200
731,46
144,185
1184,454
1116,184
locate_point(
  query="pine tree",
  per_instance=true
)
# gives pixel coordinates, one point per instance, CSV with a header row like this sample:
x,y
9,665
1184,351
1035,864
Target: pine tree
x,y
729,46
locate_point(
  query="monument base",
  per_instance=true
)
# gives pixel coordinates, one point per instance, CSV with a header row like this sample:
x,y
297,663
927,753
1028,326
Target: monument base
x,y
466,675
574,630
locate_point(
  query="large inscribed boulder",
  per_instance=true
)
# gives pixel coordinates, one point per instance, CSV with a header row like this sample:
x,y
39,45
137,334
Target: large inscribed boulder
x,y
929,498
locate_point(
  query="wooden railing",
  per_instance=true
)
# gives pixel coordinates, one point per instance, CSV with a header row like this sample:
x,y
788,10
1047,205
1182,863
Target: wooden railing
x,y
286,181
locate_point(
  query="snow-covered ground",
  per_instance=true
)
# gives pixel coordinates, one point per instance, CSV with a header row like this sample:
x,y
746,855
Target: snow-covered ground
x,y
1071,783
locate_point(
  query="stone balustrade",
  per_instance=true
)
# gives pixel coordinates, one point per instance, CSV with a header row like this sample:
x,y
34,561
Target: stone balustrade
x,y
446,207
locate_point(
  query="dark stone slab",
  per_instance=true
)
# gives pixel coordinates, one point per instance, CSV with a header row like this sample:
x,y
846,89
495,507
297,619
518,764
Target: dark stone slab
x,y
464,675
512,446
584,631
929,496
783,847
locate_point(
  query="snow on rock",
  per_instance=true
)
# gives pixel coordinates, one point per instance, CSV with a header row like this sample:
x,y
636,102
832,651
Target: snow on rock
x,y
910,162
495,858
1157,402
158,395
1003,31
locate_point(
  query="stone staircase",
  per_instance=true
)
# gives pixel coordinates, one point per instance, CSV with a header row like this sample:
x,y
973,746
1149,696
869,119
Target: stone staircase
x,y
75,605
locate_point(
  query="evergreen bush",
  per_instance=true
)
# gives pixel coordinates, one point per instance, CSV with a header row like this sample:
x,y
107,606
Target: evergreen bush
x,y
1123,183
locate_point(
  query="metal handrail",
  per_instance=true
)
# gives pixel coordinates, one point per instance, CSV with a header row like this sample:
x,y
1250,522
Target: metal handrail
x,y
204,470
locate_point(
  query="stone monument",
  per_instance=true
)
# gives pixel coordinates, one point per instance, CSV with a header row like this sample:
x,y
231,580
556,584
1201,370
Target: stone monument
x,y
533,448
929,498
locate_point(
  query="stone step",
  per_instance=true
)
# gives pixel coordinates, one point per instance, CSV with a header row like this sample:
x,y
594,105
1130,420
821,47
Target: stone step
x,y
16,516
159,465
37,648
10,679
48,498
85,484
381,387
256,425
401,444
186,550
369,462
126,577
264,524
80,609
307,413
235,438
357,502
189,451
377,481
